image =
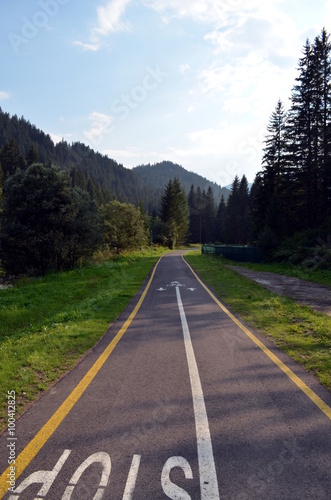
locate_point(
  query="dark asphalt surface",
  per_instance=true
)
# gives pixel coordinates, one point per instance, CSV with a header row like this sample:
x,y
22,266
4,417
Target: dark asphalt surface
x,y
132,434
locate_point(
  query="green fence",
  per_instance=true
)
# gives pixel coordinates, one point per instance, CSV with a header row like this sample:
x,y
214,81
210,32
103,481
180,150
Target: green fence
x,y
239,253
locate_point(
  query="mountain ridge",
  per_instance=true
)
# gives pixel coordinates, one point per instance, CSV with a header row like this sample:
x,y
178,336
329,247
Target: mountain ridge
x,y
91,170
157,175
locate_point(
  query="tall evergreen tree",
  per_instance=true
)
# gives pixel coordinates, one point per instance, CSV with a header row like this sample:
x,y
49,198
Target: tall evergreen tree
x,y
175,213
194,216
293,191
209,216
322,55
244,215
32,156
309,133
231,226
11,158
221,221
276,173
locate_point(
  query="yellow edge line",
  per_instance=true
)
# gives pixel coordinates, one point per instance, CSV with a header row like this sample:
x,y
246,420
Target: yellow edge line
x,y
31,450
297,381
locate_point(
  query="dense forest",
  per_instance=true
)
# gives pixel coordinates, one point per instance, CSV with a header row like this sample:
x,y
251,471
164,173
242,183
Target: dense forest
x,y
292,193
287,212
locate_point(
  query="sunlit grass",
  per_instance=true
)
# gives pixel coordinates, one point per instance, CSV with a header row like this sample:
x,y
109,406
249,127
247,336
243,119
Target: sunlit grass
x,y
47,323
298,330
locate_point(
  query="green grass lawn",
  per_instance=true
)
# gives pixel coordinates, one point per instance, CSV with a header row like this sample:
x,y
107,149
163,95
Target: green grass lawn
x,y
47,323
299,331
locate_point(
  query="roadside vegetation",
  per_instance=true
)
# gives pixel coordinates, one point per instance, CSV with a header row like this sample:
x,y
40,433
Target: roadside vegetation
x,y
303,334
48,323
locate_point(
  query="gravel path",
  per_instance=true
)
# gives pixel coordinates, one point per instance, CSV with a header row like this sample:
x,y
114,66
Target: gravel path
x,y
316,296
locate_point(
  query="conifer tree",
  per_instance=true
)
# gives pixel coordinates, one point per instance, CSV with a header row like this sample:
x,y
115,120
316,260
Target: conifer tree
x,y
175,213
322,55
11,158
32,156
244,215
209,216
276,174
293,191
194,216
231,226
221,221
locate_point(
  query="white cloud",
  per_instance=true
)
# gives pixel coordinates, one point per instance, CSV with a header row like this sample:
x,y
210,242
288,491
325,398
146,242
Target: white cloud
x,y
101,125
56,138
197,9
4,96
219,13
227,150
122,153
87,46
184,68
109,18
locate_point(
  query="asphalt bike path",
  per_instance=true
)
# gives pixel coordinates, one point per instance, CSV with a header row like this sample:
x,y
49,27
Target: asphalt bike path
x,y
178,400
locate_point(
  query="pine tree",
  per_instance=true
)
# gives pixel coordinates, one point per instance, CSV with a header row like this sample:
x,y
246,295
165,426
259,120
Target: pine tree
x,y
276,172
244,216
32,156
293,191
221,221
309,134
175,213
322,55
231,226
274,159
194,216
209,216
11,158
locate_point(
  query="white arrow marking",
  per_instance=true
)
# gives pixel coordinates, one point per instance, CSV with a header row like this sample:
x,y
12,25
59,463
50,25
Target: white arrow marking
x,y
175,283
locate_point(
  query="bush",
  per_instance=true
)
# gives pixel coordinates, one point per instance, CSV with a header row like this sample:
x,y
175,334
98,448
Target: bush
x,y
124,226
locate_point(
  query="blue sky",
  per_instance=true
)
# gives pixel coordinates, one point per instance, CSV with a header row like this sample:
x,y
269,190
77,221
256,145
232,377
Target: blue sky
x,y
191,81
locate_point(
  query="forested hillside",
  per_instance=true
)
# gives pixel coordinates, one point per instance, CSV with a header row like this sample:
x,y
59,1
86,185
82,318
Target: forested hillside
x,y
156,176
104,178
22,143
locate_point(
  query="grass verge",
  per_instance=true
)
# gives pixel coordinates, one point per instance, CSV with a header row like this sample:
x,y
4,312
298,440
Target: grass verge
x,y
303,334
47,324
